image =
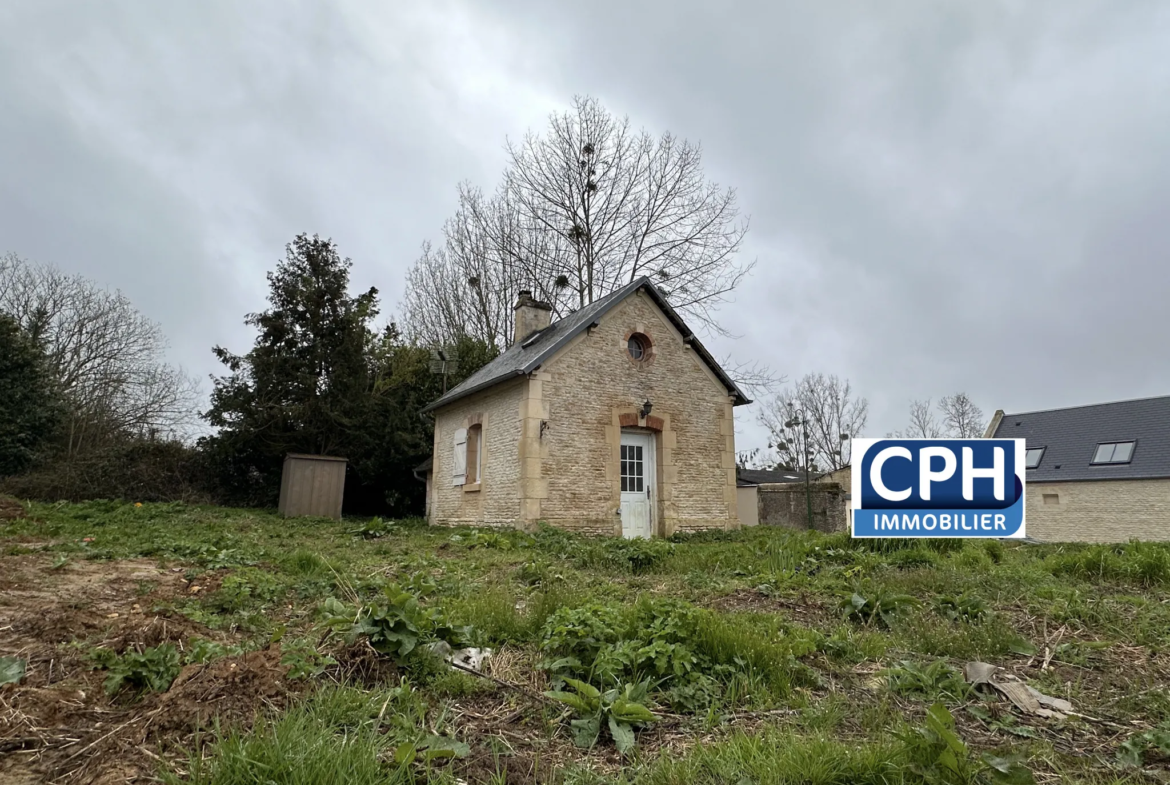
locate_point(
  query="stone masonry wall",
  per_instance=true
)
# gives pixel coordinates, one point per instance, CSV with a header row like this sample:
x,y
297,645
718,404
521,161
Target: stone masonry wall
x,y
785,504
590,390
496,501
1098,511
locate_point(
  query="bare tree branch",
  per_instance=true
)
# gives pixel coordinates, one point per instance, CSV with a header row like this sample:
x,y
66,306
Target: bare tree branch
x,y
961,417
106,357
582,210
830,410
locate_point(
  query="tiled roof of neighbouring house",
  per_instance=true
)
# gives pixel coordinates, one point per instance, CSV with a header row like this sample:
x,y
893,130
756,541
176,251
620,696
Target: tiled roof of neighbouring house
x,y
1070,438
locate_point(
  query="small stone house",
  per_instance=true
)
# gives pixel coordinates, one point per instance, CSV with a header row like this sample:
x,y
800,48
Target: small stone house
x,y
613,420
1097,473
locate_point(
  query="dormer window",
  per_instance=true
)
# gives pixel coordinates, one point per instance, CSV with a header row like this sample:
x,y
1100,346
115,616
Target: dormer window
x,y
1113,452
1033,456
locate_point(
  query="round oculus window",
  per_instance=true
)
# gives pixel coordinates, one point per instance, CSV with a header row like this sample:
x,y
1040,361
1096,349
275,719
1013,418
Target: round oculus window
x,y
638,345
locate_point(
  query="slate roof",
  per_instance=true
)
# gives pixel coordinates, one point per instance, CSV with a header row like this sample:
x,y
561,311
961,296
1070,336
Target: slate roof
x,y
521,359
763,476
1070,438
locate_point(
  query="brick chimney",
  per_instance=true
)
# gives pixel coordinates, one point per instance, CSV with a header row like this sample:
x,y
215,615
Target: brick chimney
x,y
531,315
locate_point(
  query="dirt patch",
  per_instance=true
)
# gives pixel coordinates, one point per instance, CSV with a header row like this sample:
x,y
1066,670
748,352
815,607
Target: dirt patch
x,y
10,509
58,725
806,609
232,689
360,664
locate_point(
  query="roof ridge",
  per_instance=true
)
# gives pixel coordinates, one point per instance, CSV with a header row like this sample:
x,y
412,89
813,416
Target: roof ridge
x,y
1086,406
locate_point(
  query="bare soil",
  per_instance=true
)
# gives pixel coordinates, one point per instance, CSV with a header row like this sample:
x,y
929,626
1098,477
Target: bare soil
x,y
10,509
58,725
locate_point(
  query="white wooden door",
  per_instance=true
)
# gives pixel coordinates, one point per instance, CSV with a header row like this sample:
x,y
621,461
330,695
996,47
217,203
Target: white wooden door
x,y
637,478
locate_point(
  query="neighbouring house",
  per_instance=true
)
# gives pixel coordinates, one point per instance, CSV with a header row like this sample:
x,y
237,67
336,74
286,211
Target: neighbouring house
x,y
613,420
1098,473
779,497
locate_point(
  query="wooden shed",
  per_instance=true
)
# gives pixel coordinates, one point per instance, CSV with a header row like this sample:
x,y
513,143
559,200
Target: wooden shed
x,y
312,485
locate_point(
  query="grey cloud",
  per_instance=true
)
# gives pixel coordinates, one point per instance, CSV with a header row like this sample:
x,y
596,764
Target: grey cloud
x,y
943,196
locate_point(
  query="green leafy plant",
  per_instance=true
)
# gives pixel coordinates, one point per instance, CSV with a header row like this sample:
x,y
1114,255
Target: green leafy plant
x,y
621,710
536,573
428,749
1133,751
11,670
303,660
926,682
201,651
962,607
211,556
636,556
880,606
374,528
151,669
573,637
503,541
394,623
244,590
937,754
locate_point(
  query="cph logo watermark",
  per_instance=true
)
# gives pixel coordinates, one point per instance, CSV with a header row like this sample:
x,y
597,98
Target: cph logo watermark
x,y
938,487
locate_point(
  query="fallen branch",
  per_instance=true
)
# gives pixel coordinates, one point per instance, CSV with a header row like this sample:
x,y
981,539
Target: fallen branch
x,y
516,687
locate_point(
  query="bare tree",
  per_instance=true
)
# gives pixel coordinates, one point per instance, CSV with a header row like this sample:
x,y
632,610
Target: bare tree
x,y
582,210
106,358
961,417
824,408
923,424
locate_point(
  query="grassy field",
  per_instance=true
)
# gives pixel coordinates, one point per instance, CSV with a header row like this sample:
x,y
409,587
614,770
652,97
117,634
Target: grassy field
x,y
220,647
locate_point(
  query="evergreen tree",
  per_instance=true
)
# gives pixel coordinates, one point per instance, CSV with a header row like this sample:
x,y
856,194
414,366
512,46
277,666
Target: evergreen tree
x,y
320,380
28,409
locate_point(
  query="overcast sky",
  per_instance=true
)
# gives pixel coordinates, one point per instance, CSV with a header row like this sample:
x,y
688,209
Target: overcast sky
x,y
943,196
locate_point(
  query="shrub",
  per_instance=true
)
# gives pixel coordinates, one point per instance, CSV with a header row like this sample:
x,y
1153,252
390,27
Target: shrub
x,y
138,470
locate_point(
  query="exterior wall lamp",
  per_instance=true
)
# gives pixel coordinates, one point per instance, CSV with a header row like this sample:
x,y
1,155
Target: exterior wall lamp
x,y
646,407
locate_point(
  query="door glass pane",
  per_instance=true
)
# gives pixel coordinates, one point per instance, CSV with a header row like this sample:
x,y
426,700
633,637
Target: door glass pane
x,y
632,468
